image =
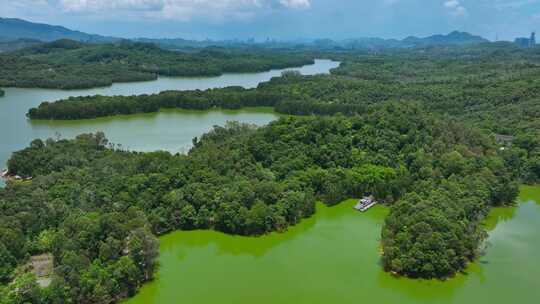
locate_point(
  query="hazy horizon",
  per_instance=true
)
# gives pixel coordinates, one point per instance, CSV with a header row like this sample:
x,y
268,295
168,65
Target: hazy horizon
x,y
282,19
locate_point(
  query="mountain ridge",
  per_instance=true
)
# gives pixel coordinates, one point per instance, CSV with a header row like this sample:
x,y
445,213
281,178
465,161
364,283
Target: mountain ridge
x,y
15,29
12,29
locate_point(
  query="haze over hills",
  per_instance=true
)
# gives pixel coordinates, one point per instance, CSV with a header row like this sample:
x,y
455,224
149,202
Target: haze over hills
x,y
16,29
453,38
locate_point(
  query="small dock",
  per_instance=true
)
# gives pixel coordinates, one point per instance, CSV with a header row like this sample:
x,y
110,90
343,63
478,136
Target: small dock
x,y
365,203
6,176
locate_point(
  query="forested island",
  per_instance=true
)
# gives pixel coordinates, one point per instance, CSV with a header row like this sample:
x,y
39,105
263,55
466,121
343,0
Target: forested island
x,y
440,135
67,64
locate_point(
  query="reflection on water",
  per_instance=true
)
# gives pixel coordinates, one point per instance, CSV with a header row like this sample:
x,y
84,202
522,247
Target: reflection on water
x,y
168,130
498,216
333,257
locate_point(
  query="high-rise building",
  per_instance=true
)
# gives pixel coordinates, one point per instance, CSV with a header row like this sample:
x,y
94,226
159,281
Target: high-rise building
x,y
522,42
526,42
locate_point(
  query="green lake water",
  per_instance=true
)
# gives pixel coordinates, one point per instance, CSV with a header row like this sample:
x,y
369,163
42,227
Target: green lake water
x,y
333,257
171,130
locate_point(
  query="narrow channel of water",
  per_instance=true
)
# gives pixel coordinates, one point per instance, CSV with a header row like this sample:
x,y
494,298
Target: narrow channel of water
x,y
334,258
168,130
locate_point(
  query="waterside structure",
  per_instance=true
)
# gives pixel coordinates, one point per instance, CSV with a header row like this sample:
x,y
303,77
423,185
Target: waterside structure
x,y
365,203
6,176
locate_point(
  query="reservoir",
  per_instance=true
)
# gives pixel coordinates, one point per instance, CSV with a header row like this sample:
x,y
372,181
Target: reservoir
x,y
171,130
333,257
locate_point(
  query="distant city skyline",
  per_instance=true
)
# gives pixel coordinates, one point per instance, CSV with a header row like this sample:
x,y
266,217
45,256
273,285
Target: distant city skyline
x,y
282,19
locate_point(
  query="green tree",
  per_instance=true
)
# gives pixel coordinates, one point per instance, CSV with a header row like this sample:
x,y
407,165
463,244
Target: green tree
x,y
143,249
24,289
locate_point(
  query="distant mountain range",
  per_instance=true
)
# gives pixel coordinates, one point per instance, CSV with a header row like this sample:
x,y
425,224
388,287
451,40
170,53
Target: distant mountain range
x,y
454,38
14,29
26,32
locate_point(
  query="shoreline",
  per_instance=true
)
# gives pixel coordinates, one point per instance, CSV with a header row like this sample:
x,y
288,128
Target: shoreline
x,y
158,76
5,176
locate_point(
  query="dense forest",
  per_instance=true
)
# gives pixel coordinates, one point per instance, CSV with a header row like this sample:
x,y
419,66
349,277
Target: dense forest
x,y
494,87
67,64
96,208
13,45
439,134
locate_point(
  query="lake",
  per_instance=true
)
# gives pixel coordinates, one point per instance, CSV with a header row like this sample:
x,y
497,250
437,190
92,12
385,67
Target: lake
x,y
171,130
333,257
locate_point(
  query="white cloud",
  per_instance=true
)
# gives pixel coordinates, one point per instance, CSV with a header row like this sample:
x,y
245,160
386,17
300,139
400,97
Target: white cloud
x,y
295,3
181,9
104,5
451,4
455,7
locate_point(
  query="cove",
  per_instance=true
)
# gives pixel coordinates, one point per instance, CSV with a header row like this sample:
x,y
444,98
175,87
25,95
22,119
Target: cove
x,y
171,130
333,257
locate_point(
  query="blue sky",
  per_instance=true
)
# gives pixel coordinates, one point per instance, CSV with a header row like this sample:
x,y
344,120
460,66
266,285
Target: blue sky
x,y
283,19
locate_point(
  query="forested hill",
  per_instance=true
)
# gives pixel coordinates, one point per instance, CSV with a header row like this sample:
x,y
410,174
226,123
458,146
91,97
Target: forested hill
x,y
68,64
93,207
451,39
14,29
13,45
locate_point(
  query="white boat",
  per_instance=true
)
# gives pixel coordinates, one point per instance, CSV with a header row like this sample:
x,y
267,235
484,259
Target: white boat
x,y
365,203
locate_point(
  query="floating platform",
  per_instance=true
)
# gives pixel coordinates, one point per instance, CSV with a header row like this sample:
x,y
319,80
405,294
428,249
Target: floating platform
x,y
365,203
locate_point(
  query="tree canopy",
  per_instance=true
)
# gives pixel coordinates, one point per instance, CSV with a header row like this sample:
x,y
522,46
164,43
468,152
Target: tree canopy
x,y
493,87
97,208
418,129
67,64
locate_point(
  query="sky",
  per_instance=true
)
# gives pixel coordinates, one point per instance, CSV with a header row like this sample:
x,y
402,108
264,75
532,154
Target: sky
x,y
282,19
